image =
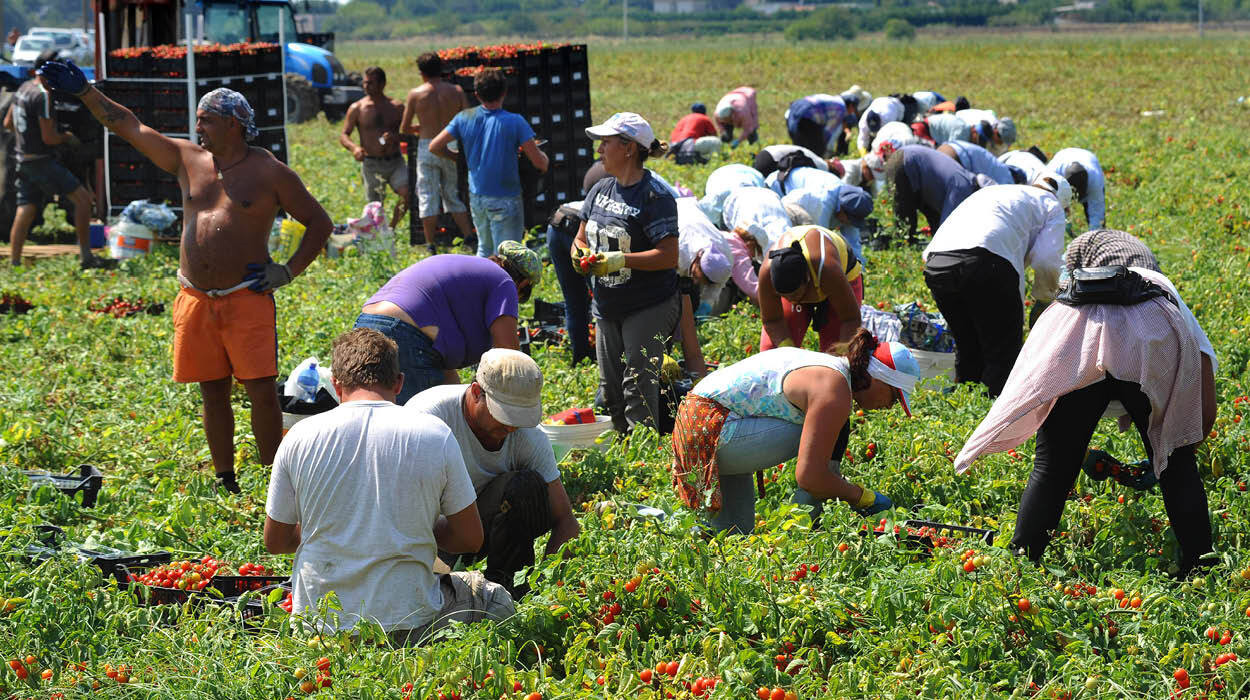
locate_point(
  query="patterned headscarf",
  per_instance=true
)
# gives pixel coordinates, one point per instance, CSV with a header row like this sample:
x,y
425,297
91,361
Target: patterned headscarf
x,y
228,103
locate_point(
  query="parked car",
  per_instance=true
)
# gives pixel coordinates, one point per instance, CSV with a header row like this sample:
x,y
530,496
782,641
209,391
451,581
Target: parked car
x,y
67,42
28,48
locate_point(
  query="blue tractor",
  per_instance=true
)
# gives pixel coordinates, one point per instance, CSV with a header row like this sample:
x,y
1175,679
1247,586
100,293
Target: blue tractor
x,y
315,80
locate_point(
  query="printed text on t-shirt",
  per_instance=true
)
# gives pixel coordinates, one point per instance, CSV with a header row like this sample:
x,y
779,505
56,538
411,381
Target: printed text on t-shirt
x,y
616,207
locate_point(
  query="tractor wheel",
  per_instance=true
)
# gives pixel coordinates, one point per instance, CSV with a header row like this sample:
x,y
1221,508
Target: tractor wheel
x,y
302,101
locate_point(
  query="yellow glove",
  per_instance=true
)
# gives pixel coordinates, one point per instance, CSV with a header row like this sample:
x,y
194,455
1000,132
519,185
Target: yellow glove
x,y
607,263
670,371
787,343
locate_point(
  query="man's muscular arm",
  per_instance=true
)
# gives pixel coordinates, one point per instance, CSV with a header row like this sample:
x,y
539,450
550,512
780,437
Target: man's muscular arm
x,y
163,151
345,136
410,112
295,199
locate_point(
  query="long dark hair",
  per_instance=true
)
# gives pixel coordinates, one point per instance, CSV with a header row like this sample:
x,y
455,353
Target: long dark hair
x,y
863,344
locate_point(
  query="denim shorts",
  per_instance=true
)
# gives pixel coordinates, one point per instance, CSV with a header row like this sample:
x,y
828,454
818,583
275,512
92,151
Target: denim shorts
x,y
421,364
497,219
39,180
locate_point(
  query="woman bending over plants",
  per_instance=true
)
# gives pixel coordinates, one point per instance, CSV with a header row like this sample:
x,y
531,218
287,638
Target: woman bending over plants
x,y
774,406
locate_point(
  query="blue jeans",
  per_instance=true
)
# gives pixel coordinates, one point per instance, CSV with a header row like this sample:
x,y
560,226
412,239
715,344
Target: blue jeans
x,y
576,293
497,219
746,446
421,364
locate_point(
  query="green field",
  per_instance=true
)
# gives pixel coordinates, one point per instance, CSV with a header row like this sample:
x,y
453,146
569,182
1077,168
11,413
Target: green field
x,y
874,620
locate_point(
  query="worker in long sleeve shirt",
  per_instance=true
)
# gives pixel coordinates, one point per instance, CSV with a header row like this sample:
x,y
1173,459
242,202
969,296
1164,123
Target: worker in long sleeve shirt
x,y
1083,171
993,132
926,182
815,121
880,112
980,161
974,266
738,110
1027,162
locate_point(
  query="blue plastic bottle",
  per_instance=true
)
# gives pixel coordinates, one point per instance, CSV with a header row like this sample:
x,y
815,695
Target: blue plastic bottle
x,y
307,383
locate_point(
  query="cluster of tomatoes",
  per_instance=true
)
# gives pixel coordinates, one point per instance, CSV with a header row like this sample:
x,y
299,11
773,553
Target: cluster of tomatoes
x,y
179,51
187,575
497,51
697,687
764,693
12,303
1079,589
1214,635
23,667
802,571
972,561
474,71
935,538
610,608
1125,600
585,259
119,306
309,685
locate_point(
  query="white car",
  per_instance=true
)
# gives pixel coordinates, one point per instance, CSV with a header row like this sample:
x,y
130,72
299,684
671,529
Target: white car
x,y
28,48
68,42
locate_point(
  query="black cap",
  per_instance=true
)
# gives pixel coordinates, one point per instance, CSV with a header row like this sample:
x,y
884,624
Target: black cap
x,y
787,268
1076,176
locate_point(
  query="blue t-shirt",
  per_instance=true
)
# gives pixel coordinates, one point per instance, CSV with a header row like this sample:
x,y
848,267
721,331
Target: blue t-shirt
x,y
489,139
632,220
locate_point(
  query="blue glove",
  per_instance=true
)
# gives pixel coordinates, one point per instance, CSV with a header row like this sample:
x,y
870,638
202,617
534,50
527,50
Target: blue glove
x,y
880,502
734,143
268,276
65,77
705,309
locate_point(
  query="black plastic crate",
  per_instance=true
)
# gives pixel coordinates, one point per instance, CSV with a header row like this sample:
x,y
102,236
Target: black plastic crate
x,y
219,587
88,480
273,140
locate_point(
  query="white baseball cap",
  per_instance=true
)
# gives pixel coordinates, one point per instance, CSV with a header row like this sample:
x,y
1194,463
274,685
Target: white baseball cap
x,y
627,124
513,386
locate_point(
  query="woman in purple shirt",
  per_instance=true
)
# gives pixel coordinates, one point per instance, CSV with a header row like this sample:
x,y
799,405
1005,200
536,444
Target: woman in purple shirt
x,y
447,310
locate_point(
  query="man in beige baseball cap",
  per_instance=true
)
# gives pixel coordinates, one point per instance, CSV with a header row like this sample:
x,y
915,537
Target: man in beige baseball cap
x,y
510,462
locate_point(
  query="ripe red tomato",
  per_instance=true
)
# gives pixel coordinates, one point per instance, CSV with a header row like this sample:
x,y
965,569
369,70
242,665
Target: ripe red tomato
x,y
777,694
1182,677
534,696
672,668
1023,604
762,693
645,675
323,664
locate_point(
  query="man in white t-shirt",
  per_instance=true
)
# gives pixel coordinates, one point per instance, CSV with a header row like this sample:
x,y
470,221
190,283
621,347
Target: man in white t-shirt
x,y
509,461
364,496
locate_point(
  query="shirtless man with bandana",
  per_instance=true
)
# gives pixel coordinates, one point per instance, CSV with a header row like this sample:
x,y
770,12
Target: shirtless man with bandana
x,y
225,324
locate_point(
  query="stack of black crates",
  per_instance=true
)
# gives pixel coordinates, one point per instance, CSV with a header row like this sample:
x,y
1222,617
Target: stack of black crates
x,y
550,87
155,89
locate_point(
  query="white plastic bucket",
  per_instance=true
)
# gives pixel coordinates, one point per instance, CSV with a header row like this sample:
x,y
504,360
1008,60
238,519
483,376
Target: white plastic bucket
x,y
289,420
129,240
934,364
582,435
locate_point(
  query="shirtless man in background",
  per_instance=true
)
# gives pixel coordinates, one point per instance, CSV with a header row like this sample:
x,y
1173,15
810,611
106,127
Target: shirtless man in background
x,y
377,117
433,104
225,320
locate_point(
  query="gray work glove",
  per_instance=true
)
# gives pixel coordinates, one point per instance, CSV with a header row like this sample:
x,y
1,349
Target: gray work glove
x,y
268,276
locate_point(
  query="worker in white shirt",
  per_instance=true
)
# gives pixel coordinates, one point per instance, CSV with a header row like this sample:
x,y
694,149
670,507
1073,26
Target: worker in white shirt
x,y
778,156
1082,170
978,160
974,267
880,112
1030,163
992,132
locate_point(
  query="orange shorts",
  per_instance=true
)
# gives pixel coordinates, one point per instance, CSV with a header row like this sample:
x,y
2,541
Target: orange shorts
x,y
218,337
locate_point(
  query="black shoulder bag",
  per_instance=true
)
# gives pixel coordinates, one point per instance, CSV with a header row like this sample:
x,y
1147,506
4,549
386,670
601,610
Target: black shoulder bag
x,y
1112,284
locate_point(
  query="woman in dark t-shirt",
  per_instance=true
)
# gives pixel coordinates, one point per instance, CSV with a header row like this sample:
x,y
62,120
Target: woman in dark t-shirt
x,y
629,237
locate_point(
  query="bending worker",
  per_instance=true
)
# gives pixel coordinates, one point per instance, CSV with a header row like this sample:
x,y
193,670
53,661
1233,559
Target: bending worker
x,y
809,278
778,405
